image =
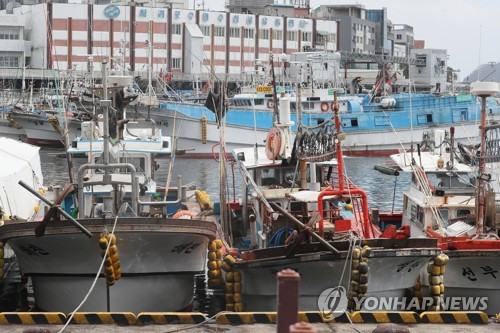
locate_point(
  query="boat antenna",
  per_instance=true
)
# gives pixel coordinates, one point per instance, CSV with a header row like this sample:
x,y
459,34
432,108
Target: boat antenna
x,y
479,51
411,114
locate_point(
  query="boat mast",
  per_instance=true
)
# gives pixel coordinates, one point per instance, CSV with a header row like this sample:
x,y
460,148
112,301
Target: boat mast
x,y
275,92
483,90
150,62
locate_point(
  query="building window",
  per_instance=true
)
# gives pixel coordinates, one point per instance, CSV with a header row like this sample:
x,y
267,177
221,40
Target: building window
x,y
176,62
9,62
220,31
399,36
278,35
176,29
9,34
291,36
234,32
306,36
205,30
264,34
248,33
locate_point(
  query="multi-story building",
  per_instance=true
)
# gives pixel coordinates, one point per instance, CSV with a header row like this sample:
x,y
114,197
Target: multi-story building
x,y
384,37
433,74
183,40
14,38
289,8
249,7
356,33
403,39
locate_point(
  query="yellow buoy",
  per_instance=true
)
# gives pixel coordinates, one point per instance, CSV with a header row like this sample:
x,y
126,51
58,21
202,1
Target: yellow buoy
x,y
212,265
117,274
214,274
238,307
212,246
111,238
229,259
203,129
116,265
203,199
113,250
226,267
109,270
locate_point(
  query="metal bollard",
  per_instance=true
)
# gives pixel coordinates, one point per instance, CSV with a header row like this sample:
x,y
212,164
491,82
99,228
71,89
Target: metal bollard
x,y
288,299
302,327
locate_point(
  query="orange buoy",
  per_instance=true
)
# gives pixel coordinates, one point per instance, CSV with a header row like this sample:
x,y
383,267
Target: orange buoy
x,y
184,214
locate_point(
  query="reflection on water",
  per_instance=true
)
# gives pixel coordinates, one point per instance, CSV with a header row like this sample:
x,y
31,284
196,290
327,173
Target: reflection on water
x,y
379,187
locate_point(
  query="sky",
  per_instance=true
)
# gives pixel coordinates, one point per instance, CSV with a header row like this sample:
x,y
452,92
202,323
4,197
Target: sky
x,y
467,29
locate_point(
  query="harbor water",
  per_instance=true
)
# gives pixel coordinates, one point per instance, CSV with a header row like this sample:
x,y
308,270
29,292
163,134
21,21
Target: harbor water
x,y
204,173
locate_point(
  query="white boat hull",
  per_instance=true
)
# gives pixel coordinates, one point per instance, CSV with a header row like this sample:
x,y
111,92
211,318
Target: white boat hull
x,y
10,132
158,264
472,276
163,293
259,286
41,132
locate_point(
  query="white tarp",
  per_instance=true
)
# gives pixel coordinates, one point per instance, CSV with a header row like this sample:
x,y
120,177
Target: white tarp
x,y
309,196
18,161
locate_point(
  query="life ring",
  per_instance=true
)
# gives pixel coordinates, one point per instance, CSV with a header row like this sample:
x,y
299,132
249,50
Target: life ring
x,y
333,106
273,144
270,104
324,106
184,214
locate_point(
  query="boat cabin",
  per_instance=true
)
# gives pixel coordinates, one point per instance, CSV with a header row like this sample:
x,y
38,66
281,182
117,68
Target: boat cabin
x,y
451,208
131,164
266,181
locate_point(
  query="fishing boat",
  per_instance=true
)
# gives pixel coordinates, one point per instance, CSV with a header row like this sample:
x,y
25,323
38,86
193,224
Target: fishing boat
x,y
9,128
299,210
453,197
371,119
47,127
114,242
